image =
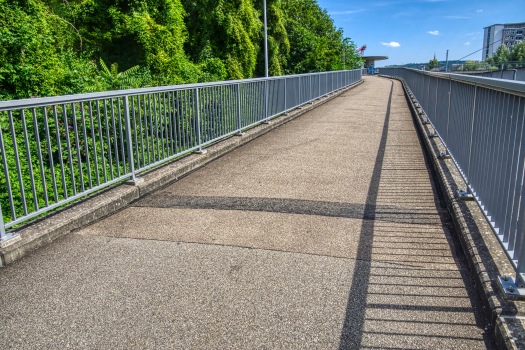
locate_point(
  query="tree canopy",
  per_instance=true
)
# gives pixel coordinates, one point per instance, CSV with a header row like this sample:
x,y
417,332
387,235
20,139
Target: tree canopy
x,y
54,47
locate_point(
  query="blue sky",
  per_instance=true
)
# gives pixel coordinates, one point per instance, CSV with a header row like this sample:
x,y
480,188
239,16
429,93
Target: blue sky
x,y
411,31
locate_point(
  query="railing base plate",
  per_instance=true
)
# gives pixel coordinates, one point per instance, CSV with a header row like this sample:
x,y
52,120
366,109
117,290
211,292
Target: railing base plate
x,y
239,134
465,196
432,134
265,122
444,156
136,182
8,239
200,151
510,289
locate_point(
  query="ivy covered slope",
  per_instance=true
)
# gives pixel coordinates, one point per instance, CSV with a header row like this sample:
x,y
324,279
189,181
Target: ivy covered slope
x,y
56,47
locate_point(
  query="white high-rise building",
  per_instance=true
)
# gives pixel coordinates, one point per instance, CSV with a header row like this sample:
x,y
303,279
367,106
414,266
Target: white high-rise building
x,y
508,34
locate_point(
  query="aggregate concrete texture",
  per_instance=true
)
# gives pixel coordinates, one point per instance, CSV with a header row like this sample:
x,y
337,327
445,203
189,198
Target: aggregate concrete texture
x,y
328,232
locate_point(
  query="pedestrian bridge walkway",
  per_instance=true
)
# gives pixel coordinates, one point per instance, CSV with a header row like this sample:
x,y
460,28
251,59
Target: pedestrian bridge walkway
x,y
328,232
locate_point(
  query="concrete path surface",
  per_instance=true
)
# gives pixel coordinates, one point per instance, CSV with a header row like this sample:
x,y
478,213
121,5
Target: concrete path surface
x,y
326,233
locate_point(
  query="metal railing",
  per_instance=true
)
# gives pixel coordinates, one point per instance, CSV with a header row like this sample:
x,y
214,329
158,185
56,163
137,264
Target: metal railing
x,y
506,73
481,122
57,149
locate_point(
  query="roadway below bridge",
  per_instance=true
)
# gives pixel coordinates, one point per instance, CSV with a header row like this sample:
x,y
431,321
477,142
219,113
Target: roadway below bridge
x,y
329,232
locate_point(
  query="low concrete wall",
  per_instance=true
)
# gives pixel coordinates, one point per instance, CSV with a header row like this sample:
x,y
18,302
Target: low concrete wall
x,y
44,230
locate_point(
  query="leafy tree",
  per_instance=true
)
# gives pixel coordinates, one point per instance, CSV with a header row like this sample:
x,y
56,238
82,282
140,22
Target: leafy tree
x,y
278,42
433,64
35,57
315,43
111,79
224,30
501,55
518,52
51,47
472,65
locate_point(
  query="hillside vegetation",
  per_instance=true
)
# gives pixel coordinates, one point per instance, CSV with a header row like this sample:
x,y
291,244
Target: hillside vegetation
x,y
57,47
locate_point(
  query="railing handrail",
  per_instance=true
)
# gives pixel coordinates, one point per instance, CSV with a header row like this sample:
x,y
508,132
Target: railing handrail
x,y
43,101
511,86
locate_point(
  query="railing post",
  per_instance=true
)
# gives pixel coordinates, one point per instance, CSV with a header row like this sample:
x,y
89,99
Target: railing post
x,y
133,179
445,154
6,238
266,102
319,81
198,112
310,90
471,136
239,122
285,98
300,99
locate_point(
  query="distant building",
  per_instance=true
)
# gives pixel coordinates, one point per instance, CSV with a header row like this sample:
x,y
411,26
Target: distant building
x,y
508,34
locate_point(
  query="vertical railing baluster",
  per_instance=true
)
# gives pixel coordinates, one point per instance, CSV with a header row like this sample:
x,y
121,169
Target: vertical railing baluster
x,y
40,159
29,161
69,155
471,136
108,140
239,122
131,161
121,137
17,160
86,149
94,143
266,107
50,155
7,179
197,106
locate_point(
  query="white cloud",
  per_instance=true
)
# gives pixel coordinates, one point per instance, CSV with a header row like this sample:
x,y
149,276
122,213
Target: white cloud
x,y
391,44
479,10
433,32
467,43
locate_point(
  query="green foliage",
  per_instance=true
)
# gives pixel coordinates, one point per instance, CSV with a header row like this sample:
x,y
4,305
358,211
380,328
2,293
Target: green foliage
x,y
433,64
50,47
315,43
501,55
224,30
518,52
113,80
473,65
37,57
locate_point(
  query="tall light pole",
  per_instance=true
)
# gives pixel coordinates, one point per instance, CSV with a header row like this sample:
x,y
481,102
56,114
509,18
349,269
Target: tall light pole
x,y
446,64
266,107
344,52
265,43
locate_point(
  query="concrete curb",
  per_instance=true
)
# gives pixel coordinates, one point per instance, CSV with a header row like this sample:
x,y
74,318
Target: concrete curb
x,y
44,230
484,253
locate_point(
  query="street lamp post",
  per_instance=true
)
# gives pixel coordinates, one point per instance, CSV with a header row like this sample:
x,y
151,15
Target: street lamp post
x,y
446,64
267,119
265,43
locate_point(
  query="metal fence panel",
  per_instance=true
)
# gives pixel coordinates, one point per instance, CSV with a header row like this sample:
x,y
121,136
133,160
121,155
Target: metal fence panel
x,y
57,149
482,124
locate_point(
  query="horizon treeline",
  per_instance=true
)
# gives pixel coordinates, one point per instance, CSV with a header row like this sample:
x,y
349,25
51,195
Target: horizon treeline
x,y
58,47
